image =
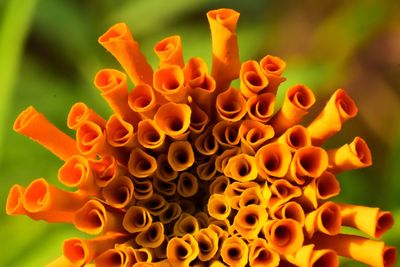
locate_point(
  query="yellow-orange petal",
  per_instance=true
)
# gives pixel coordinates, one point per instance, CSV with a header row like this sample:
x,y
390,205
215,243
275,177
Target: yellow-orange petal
x,y
339,109
253,135
262,255
241,167
80,113
170,82
141,164
119,192
142,99
225,60
119,132
180,155
35,126
169,51
152,237
308,163
273,160
149,135
231,105
285,236
218,207
252,79
260,107
119,42
173,119
136,219
114,89
369,220
249,220
325,219
187,185
295,138
93,218
234,252
350,156
298,100
370,252
14,205
182,251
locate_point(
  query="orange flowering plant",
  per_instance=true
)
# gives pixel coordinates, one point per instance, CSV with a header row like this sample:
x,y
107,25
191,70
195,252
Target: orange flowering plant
x,y
190,171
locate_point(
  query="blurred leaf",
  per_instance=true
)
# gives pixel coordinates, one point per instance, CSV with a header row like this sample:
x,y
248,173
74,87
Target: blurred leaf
x,y
14,26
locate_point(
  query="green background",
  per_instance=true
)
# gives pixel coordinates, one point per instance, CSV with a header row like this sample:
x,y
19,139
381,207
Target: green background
x,y
49,55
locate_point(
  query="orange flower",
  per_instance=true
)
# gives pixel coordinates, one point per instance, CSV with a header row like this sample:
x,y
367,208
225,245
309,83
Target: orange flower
x,y
190,171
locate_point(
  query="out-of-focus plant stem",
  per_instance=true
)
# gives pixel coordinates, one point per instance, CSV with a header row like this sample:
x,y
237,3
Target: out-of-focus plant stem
x,y
14,26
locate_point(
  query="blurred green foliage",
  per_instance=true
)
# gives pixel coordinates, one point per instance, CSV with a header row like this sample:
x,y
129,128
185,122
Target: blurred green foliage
x,y
49,55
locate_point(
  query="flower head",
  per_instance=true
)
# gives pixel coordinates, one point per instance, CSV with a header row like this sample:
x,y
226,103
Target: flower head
x,y
191,171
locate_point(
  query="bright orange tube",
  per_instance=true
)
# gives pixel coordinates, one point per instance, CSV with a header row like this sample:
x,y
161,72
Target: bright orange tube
x,y
35,126
180,155
137,219
182,251
141,164
295,138
218,207
93,218
119,42
14,205
298,100
143,188
208,244
119,132
83,251
76,173
113,85
142,99
371,221
273,160
350,156
252,79
242,168
222,160
149,135
206,144
105,170
252,196
173,119
234,252
307,256
164,170
339,109
289,210
170,82
249,220
325,219
226,133
155,204
285,236
231,105
80,113
321,188
188,184
260,107
115,257
273,68
370,252
91,140
169,51
308,163
119,192
253,135
51,204
152,237
225,60
234,190
262,255
283,191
